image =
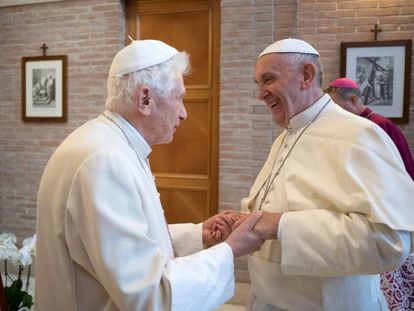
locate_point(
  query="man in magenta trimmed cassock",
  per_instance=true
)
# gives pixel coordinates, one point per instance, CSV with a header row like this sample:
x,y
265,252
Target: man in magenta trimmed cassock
x,y
397,285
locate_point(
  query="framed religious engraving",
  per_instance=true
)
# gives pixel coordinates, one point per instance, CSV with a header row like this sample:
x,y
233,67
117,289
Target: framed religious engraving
x,y
44,88
382,69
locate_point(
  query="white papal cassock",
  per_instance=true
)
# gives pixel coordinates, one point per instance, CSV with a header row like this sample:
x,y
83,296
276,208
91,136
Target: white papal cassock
x,y
103,242
347,205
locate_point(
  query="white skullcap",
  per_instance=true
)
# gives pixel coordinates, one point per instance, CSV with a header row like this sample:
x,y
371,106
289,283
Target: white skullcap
x,y
290,46
140,54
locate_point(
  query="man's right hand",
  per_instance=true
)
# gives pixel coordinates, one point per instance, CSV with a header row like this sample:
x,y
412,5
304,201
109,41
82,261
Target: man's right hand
x,y
243,240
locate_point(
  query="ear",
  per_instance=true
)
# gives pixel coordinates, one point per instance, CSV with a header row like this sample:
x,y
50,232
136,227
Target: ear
x,y
353,99
142,100
309,73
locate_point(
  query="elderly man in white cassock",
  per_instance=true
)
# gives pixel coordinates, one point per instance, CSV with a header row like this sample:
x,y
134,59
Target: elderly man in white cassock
x,y
335,196
103,242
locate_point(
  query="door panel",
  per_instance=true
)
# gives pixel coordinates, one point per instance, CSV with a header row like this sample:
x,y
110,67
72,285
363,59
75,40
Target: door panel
x,y
187,155
184,205
188,31
186,170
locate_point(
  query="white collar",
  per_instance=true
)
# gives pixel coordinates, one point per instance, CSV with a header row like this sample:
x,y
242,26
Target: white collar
x,y
308,115
139,144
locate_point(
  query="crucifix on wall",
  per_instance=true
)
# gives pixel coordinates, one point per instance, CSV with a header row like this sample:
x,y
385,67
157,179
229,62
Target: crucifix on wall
x,y
44,47
376,30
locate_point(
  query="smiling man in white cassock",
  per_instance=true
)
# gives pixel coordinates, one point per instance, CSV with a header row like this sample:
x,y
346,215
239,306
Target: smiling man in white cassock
x,y
103,241
337,202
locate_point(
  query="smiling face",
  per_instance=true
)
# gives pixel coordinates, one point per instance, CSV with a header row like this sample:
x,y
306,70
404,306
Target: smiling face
x,y
167,113
280,86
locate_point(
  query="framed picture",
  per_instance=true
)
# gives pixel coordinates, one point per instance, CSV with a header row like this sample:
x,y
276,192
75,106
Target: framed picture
x,y
382,70
44,88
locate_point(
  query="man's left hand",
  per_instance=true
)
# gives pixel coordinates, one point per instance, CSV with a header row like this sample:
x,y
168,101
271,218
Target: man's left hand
x,y
217,228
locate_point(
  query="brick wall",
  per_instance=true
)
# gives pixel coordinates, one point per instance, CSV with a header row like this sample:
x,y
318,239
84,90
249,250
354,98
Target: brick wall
x,y
247,27
89,32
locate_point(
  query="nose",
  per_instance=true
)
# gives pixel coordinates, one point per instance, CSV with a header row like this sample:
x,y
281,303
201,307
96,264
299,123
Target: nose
x,y
183,112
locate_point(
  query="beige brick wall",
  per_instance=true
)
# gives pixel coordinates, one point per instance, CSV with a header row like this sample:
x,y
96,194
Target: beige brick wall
x,y
246,128
89,32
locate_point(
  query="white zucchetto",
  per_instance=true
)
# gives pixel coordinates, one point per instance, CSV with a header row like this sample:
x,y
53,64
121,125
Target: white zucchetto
x,y
290,46
140,54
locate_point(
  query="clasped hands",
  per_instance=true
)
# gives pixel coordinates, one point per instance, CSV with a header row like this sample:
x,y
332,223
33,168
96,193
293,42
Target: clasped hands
x,y
244,233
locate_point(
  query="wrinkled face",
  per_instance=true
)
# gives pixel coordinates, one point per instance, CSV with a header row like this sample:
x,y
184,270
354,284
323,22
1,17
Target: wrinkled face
x,y
167,113
279,86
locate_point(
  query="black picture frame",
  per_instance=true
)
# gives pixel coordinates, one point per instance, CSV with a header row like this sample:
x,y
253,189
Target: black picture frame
x,y
44,94
383,71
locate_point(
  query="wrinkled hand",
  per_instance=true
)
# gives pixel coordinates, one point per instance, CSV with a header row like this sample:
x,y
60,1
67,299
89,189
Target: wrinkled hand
x,y
234,215
239,221
216,229
268,225
244,240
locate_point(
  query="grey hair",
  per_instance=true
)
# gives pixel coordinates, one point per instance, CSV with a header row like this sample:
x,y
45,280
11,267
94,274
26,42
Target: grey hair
x,y
159,78
343,93
301,59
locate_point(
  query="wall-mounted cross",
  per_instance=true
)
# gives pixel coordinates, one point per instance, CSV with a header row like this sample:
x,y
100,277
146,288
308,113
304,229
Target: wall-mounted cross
x,y
44,47
376,30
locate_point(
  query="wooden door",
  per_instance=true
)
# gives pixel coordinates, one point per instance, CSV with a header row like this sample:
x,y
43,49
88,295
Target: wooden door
x,y
186,170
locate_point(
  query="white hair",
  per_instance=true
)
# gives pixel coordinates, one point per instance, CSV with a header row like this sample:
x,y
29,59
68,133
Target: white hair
x,y
301,59
159,78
